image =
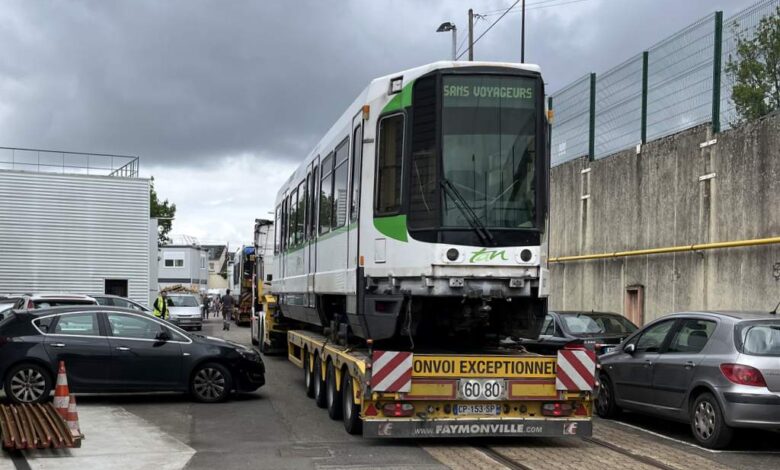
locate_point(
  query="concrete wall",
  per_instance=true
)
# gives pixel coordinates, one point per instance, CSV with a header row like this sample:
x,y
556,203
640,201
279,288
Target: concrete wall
x,y
657,199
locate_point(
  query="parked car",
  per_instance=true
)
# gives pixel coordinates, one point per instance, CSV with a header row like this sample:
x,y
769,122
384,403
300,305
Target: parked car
x,y
717,371
46,300
185,310
7,302
117,301
114,350
604,330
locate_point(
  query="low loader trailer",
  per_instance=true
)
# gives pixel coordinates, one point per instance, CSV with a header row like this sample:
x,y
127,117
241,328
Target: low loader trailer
x,y
397,394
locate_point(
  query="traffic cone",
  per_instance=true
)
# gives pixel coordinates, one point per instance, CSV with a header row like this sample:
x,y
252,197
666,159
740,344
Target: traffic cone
x,y
73,417
61,392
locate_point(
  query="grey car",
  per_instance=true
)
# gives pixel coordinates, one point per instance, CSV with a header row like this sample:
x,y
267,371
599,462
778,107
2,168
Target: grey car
x,y
715,370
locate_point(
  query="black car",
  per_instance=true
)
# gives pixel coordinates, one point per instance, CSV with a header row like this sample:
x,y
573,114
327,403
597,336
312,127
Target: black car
x,y
602,330
115,350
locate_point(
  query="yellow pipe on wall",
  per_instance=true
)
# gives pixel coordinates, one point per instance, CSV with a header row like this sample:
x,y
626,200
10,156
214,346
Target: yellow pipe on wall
x,y
670,249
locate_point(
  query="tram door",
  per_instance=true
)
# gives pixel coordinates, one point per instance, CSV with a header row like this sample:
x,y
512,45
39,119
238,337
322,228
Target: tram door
x,y
356,163
310,266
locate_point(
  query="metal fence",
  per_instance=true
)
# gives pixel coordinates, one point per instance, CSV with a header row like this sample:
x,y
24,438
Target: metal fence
x,y
53,161
679,83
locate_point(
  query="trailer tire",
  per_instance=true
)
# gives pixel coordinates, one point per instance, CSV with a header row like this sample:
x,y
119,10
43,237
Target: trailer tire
x,y
351,412
332,395
319,384
261,337
308,379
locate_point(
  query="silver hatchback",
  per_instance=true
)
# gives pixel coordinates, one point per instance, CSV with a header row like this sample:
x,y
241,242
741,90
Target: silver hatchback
x,y
715,370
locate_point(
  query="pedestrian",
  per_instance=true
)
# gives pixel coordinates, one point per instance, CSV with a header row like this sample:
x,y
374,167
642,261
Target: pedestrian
x,y
161,306
228,304
207,305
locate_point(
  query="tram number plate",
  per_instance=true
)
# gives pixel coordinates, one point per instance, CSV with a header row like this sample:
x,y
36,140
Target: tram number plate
x,y
482,389
478,409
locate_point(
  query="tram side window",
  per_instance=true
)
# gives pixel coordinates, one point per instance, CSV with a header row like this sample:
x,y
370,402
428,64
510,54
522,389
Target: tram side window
x,y
300,213
388,180
292,218
326,193
313,203
278,229
357,159
341,175
283,230
307,214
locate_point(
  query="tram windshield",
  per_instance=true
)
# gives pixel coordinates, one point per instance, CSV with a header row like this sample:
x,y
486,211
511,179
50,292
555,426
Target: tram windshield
x,y
489,128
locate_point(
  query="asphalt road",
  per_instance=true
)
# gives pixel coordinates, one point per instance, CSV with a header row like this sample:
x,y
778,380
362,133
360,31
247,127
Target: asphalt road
x,y
278,427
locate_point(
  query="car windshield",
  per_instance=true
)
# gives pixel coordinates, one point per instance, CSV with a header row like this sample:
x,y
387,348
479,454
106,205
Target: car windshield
x,y
759,338
586,324
182,301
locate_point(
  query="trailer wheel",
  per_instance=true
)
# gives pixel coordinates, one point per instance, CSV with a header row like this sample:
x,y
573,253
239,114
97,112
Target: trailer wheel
x,y
332,395
319,385
308,379
352,422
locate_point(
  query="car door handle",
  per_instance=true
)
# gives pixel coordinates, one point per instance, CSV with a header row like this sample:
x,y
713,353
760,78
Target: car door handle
x,y
690,365
58,345
648,363
122,348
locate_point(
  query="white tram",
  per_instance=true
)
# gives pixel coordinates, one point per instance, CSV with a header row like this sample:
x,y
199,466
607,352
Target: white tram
x,y
423,210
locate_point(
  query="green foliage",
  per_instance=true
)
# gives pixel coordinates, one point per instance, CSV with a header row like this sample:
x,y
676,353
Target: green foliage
x,y
755,71
162,210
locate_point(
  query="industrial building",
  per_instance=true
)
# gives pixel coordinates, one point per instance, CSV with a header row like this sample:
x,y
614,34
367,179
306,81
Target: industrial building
x,y
73,222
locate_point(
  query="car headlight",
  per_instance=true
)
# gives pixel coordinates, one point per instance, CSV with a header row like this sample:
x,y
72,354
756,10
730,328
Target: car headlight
x,y
248,354
173,317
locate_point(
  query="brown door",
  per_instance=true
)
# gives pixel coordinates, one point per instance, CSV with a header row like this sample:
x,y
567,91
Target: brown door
x,y
635,304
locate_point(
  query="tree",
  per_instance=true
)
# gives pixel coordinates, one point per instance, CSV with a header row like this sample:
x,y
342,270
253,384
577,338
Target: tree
x,y
164,211
756,70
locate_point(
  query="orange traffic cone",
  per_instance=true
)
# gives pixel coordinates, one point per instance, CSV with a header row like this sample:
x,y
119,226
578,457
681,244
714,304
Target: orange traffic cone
x,y
73,417
61,392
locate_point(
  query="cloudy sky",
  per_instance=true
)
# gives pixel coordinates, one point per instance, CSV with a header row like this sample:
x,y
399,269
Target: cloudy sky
x,y
222,99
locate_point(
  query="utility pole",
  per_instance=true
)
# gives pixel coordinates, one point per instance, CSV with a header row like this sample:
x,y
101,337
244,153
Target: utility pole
x,y
471,34
522,36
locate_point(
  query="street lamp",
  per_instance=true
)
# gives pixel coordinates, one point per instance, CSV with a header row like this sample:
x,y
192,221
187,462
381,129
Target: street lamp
x,y
443,28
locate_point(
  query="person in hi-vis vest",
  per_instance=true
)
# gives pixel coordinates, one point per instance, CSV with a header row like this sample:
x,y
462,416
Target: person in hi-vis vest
x,y
161,306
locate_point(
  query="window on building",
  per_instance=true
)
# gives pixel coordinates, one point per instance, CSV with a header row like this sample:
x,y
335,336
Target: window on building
x,y
326,194
388,180
173,260
340,178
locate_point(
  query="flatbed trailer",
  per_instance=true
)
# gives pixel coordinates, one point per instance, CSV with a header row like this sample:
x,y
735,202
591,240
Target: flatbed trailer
x,y
394,394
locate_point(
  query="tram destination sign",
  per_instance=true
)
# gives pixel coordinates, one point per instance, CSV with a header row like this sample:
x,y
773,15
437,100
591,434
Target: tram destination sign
x,y
486,91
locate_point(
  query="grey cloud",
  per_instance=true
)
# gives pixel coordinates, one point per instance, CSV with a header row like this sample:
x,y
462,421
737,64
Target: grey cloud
x,y
182,82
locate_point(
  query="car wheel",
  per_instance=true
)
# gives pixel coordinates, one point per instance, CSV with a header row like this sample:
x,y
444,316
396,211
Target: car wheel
x,y
707,423
606,407
332,395
211,383
352,422
308,378
28,383
319,384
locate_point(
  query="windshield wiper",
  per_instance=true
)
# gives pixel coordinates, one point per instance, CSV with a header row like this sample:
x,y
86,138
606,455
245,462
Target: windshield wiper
x,y
479,228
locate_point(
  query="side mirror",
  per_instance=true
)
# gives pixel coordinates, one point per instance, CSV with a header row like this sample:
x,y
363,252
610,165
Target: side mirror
x,y
163,336
630,348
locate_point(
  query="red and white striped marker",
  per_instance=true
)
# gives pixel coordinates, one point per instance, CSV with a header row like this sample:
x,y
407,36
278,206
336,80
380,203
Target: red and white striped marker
x,y
576,370
61,392
391,371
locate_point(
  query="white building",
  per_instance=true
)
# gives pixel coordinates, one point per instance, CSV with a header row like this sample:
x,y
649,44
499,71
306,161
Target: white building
x,y
77,233
183,264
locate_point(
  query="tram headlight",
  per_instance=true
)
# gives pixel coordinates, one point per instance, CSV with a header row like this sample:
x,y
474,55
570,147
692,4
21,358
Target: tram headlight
x,y
453,254
526,255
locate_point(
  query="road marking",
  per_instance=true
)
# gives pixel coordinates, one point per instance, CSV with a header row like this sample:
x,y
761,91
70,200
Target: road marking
x,y
115,439
690,444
